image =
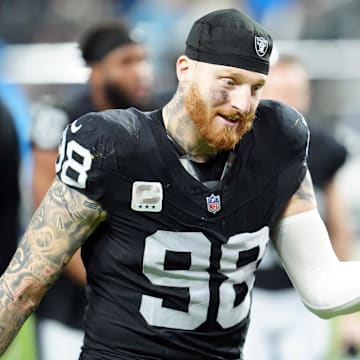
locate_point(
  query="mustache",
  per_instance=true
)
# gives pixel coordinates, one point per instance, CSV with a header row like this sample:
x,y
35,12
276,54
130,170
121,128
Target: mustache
x,y
239,116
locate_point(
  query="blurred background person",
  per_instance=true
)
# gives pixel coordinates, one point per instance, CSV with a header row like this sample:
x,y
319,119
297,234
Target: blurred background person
x,y
15,100
9,189
16,184
24,346
281,328
120,77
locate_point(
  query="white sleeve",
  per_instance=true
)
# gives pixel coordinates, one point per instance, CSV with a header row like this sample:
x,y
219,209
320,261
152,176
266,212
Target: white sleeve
x,y
327,286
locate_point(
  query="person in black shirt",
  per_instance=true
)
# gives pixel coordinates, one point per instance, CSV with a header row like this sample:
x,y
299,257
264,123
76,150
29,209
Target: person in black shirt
x,y
170,248
120,77
9,189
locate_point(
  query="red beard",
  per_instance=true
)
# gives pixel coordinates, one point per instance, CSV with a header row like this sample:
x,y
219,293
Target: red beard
x,y
223,138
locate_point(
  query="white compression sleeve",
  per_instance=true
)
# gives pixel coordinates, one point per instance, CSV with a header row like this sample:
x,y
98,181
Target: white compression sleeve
x,y
327,286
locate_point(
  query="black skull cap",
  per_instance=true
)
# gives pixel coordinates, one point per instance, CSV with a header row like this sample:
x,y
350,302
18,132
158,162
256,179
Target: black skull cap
x,y
231,38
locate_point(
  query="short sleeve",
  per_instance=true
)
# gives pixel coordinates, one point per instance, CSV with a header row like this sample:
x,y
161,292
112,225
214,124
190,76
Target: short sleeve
x,y
290,144
284,135
82,151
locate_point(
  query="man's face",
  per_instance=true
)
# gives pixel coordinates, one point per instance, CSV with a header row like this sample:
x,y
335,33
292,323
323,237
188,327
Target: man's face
x,y
222,102
126,76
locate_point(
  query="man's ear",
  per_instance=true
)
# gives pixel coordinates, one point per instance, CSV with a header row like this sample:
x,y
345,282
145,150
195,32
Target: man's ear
x,y
184,68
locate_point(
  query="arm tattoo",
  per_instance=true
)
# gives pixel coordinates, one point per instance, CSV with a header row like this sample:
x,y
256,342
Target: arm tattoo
x,y
58,228
306,190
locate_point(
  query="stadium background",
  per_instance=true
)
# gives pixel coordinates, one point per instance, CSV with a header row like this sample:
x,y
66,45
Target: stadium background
x,y
38,52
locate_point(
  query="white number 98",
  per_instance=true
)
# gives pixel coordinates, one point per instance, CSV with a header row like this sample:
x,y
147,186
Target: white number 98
x,y
73,171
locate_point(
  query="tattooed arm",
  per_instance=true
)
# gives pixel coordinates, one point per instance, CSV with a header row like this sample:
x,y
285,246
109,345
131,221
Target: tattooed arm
x,y
303,200
58,228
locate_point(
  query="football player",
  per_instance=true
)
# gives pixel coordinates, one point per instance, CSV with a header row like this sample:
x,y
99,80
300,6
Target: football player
x,y
173,210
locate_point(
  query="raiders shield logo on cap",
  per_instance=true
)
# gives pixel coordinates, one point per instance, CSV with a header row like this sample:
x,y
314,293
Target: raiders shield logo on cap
x,y
261,45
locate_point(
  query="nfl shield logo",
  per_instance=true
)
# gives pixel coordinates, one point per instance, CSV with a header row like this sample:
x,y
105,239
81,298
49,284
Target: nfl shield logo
x,y
261,45
213,203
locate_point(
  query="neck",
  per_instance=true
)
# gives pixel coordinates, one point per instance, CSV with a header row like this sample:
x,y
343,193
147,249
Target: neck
x,y
100,101
183,130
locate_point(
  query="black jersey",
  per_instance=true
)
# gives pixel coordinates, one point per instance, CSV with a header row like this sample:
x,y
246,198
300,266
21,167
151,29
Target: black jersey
x,y
170,271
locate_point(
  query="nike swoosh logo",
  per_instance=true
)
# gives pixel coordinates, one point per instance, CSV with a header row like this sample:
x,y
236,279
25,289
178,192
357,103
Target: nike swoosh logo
x,y
75,128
